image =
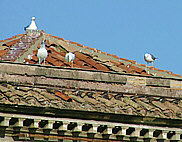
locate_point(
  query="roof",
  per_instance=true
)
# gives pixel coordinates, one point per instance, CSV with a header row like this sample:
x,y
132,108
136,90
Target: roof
x,y
91,101
114,93
23,49
89,91
98,82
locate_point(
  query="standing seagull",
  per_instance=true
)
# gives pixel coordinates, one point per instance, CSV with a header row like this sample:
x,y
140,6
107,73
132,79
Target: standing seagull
x,y
149,58
32,25
42,53
70,57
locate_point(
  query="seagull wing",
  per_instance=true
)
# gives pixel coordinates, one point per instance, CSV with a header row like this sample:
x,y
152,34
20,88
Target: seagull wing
x,y
73,57
66,58
154,58
26,27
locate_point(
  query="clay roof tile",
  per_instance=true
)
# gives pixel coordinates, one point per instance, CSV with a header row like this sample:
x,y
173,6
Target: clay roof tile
x,y
63,96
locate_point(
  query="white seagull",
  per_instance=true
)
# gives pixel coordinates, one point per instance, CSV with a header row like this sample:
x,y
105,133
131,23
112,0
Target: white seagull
x,y
42,53
149,58
70,57
32,25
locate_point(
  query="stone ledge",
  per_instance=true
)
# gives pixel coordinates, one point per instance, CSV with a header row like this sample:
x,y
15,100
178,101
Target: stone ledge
x,y
86,75
40,81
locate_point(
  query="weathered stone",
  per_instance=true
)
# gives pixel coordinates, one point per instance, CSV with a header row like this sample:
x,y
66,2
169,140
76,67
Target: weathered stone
x,y
175,84
158,82
136,80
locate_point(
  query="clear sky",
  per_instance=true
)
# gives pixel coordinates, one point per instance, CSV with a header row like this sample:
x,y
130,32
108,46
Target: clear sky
x,y
127,28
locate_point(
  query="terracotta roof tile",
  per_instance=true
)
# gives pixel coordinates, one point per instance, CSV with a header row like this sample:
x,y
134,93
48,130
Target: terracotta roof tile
x,y
143,65
14,36
81,56
103,53
175,74
55,37
27,61
115,56
10,43
117,63
98,51
53,61
2,52
20,34
86,47
80,45
34,58
63,96
61,39
58,56
73,42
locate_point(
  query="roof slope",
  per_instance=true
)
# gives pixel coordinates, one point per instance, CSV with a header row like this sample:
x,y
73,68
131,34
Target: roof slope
x,y
23,48
98,82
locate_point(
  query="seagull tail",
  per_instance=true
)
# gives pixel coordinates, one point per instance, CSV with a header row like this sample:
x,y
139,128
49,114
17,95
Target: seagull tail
x,y
25,28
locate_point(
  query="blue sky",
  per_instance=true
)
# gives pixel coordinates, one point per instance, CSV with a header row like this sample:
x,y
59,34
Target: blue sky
x,y
127,28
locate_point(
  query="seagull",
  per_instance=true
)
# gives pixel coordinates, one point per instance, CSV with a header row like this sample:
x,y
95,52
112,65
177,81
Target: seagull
x,y
42,53
32,25
149,58
70,57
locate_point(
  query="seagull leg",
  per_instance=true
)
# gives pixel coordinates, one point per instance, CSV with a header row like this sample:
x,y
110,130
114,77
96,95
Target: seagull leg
x,y
71,64
147,68
39,60
44,61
